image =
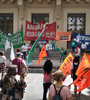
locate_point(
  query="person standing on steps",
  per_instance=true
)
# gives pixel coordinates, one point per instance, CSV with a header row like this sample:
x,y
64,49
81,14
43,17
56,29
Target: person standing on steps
x,y
53,44
24,51
62,55
47,48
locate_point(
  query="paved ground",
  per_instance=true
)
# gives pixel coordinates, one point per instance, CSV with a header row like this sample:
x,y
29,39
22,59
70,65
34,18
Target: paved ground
x,y
34,90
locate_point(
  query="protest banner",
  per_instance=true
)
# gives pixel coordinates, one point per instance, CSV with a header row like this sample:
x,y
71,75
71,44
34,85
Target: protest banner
x,y
80,38
66,65
16,39
84,64
83,81
63,36
32,31
3,38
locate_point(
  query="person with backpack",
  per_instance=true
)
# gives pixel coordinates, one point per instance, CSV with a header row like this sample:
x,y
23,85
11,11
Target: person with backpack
x,y
47,80
58,91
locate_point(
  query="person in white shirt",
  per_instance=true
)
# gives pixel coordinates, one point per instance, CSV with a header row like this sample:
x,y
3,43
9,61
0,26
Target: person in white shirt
x,y
83,48
47,48
3,60
24,51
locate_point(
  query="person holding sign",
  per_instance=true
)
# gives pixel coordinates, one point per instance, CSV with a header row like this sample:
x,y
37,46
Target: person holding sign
x,y
74,67
24,51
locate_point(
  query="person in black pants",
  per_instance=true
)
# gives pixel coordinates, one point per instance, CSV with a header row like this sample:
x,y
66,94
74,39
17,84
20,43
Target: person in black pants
x,y
47,80
74,67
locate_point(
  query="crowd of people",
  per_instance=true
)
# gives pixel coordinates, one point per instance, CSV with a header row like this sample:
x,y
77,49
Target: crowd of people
x,y
13,88
79,49
13,81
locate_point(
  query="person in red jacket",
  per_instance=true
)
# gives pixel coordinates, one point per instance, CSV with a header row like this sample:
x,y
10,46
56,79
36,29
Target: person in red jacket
x,y
21,65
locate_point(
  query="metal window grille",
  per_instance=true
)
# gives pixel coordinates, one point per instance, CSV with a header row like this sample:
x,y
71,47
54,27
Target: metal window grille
x,y
76,23
6,22
35,18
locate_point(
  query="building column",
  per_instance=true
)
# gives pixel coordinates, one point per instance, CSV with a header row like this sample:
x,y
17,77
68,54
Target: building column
x,y
58,13
21,12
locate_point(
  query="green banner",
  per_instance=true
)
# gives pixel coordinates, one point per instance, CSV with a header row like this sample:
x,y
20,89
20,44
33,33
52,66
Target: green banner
x,y
16,39
31,52
3,38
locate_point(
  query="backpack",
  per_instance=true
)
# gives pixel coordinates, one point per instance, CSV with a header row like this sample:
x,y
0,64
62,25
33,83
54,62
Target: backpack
x,y
57,96
47,77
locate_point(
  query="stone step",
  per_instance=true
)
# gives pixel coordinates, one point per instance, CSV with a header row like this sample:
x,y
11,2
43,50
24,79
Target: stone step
x,y
37,70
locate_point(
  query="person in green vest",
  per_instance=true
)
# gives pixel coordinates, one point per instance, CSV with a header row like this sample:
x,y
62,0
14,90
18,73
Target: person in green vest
x,y
73,45
62,55
53,44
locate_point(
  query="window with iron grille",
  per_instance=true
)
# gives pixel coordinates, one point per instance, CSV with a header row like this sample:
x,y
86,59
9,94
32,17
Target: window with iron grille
x,y
6,22
37,17
76,23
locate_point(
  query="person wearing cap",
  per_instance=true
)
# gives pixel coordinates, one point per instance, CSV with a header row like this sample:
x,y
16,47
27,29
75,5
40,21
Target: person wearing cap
x,y
21,64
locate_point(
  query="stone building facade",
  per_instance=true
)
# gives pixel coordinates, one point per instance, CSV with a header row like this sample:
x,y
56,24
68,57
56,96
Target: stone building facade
x,y
69,15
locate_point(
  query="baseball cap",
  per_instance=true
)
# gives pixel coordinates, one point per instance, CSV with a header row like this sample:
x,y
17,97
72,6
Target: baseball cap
x,y
19,53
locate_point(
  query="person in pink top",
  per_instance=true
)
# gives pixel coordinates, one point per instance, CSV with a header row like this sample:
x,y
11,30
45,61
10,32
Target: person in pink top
x,y
65,92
